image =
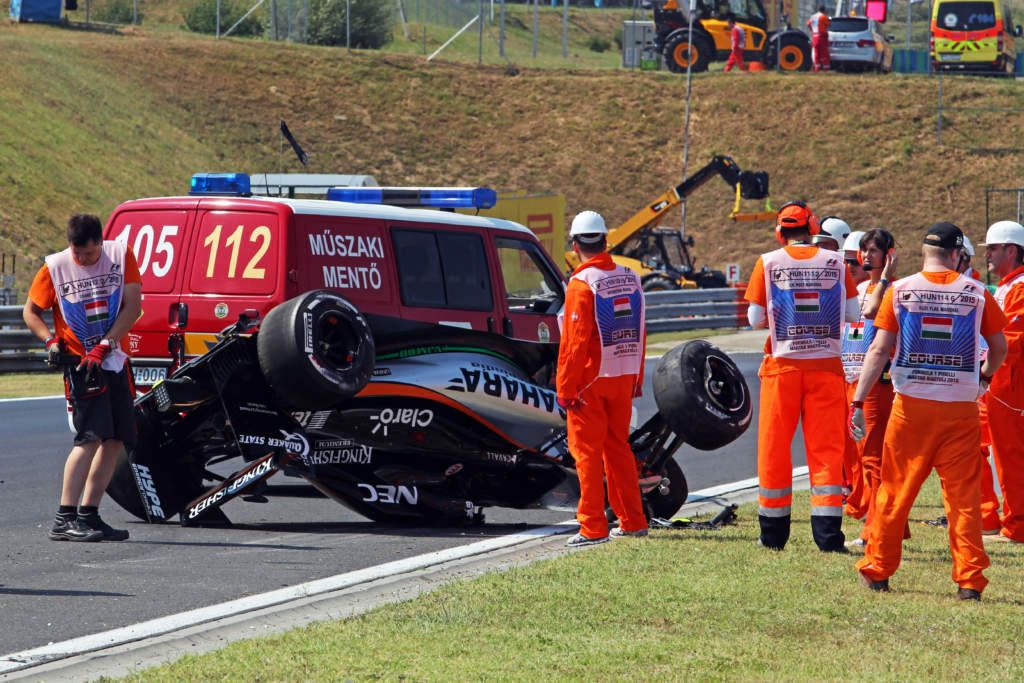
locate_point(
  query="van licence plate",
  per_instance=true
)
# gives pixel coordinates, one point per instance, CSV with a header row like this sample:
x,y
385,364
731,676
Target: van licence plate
x,y
950,57
148,374
843,43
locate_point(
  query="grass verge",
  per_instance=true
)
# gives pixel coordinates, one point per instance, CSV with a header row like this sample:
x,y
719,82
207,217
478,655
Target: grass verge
x,y
676,605
24,385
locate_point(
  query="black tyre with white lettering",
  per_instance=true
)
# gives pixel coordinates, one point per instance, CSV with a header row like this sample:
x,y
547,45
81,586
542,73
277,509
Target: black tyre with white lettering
x,y
151,483
315,350
702,395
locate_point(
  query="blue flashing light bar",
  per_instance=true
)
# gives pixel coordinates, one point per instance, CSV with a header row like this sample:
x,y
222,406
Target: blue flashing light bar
x,y
230,184
437,197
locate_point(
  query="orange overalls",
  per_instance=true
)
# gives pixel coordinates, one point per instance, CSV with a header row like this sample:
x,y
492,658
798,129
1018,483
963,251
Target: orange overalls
x,y
1005,403
864,459
934,419
801,381
602,367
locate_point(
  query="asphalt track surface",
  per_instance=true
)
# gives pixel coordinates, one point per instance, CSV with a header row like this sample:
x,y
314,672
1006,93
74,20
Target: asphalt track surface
x,y
51,591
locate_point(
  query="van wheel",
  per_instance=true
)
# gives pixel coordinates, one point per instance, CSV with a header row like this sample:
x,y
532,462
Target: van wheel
x,y
664,506
702,395
168,483
315,350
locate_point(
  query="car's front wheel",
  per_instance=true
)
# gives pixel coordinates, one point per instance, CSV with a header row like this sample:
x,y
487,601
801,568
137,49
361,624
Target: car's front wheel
x,y
702,395
315,350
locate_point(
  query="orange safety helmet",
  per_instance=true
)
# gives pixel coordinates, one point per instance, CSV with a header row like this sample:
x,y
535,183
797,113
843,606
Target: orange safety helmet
x,y
795,215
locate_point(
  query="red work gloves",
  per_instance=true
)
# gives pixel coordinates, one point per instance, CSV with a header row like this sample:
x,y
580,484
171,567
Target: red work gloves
x,y
94,359
569,403
858,429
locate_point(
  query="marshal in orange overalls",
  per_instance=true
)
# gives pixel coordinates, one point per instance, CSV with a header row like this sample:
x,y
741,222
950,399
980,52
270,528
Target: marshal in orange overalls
x,y
934,420
1005,403
802,387
605,385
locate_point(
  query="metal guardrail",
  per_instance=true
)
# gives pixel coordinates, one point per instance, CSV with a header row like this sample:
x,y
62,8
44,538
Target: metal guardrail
x,y
682,309
20,351
695,309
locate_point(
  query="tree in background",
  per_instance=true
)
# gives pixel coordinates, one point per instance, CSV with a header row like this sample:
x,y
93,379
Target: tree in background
x,y
372,23
116,12
201,17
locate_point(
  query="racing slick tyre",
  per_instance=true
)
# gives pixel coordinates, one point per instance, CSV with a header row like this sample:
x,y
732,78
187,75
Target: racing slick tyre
x,y
702,395
315,350
149,483
665,505
677,52
658,283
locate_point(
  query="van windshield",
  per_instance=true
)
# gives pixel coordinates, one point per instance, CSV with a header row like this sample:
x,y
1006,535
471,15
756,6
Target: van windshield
x,y
966,16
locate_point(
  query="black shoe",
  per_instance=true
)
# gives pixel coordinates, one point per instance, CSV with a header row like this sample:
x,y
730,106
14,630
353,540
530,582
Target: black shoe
x,y
841,550
107,532
881,586
73,530
968,594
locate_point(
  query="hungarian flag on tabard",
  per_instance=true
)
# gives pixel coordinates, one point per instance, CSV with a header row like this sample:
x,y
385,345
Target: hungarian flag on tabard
x,y
856,332
936,328
806,302
622,307
96,311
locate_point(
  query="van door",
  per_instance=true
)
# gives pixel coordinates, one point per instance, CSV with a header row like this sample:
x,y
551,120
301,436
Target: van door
x,y
531,291
444,277
157,237
236,265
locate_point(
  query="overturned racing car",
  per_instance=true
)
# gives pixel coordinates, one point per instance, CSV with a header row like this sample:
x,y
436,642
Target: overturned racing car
x,y
401,421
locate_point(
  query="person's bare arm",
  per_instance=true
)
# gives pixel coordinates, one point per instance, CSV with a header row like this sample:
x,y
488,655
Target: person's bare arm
x,y
874,362
33,317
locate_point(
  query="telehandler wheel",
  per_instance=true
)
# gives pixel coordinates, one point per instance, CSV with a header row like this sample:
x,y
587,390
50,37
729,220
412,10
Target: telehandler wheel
x,y
794,54
659,284
677,52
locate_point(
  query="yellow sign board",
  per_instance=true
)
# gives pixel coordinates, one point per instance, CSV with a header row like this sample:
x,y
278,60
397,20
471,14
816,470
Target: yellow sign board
x,y
544,214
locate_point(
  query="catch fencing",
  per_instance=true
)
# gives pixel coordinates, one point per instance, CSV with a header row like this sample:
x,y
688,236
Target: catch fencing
x,y
673,311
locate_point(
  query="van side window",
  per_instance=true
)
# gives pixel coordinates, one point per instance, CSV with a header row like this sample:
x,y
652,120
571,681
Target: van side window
x,y
442,269
530,286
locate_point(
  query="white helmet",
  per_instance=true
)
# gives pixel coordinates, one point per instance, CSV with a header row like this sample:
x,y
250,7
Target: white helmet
x,y
836,228
968,247
1005,232
588,223
852,242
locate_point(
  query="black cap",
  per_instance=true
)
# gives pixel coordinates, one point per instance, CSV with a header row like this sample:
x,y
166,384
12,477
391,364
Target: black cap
x,y
944,235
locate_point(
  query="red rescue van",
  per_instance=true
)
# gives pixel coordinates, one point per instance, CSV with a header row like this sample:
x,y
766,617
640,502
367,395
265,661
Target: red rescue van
x,y
207,257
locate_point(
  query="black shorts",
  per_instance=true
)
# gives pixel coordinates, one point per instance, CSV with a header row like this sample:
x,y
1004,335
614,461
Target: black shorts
x,y
103,408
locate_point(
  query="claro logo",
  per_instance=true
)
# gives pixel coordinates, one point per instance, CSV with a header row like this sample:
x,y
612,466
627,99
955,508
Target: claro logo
x,y
393,495
144,482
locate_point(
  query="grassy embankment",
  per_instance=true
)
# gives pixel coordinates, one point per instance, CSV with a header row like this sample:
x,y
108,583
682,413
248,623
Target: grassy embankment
x,y
678,605
92,119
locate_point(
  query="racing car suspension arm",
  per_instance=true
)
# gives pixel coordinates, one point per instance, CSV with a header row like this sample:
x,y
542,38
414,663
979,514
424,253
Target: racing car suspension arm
x,y
649,443
258,470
